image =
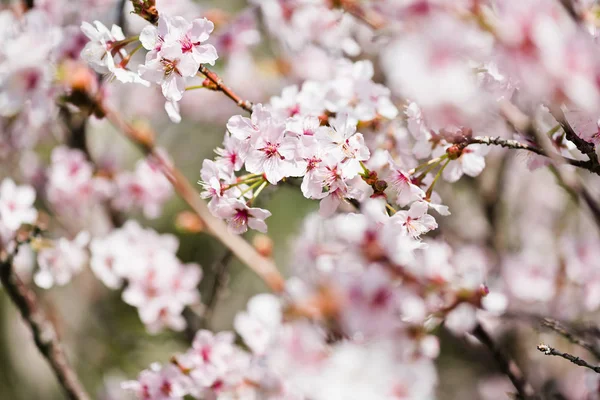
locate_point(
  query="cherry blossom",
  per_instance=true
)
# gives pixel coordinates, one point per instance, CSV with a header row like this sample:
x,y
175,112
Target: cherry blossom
x,y
58,264
16,205
146,188
415,221
240,217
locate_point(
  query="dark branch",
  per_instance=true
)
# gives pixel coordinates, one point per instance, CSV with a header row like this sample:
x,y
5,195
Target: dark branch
x,y
194,323
220,86
121,18
551,351
585,147
506,365
515,144
42,329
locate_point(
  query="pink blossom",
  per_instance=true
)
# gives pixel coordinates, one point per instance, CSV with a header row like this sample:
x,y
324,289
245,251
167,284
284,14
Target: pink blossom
x,y
415,221
59,263
259,325
273,154
145,188
240,217
16,205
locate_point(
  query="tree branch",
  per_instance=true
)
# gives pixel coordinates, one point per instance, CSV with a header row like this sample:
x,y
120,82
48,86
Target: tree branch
x,y
515,144
565,332
220,86
42,329
585,147
262,266
550,351
366,16
195,322
506,365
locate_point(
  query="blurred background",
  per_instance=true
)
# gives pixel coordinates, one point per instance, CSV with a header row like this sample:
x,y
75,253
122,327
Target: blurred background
x,y
104,337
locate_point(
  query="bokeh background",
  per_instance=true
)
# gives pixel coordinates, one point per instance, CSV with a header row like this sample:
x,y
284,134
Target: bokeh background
x,y
104,337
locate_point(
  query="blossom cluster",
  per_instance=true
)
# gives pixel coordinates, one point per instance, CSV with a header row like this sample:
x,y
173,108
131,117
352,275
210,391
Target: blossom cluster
x,y
430,86
155,280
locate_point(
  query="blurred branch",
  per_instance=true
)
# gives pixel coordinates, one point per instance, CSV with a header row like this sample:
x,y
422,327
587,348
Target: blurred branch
x,y
220,86
565,332
364,15
221,268
262,266
195,322
43,331
572,333
515,144
550,351
506,364
76,126
28,4
568,179
585,147
121,18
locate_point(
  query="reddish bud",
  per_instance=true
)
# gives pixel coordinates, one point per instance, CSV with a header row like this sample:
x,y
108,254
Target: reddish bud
x,y
263,244
187,221
454,152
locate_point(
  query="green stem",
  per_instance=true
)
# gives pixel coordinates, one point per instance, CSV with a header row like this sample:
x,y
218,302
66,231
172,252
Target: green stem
x,y
437,177
434,161
392,209
251,187
247,181
553,130
260,189
429,169
195,87
138,47
365,169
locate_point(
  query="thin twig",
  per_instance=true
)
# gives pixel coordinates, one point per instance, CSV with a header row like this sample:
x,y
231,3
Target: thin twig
x,y
551,351
214,78
506,365
365,15
262,266
585,147
195,322
219,280
121,18
43,331
522,123
565,332
515,144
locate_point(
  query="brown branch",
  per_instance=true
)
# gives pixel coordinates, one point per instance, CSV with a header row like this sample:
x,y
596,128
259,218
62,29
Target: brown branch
x,y
565,332
506,365
193,320
515,144
568,179
262,266
220,86
550,351
583,146
365,15
219,281
43,331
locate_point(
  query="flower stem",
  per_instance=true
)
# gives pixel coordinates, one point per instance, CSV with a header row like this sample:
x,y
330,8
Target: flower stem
x,y
242,182
437,177
260,189
392,209
365,169
195,87
433,161
253,186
